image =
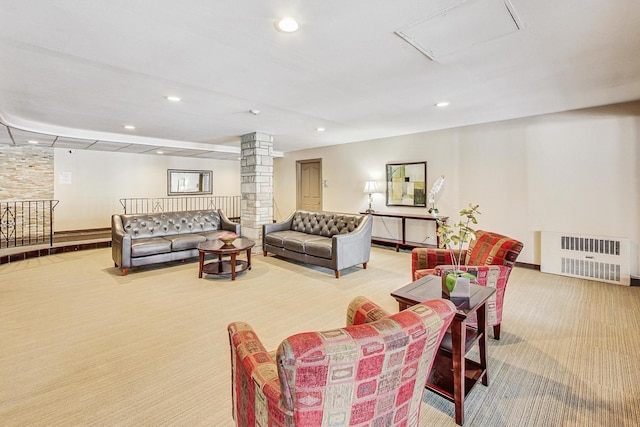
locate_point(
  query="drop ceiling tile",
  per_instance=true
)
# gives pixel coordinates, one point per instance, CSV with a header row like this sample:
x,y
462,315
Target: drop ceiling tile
x,y
78,144
107,146
22,137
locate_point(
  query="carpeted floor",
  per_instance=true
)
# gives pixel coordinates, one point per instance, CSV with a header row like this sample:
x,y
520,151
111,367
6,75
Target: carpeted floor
x,y
82,345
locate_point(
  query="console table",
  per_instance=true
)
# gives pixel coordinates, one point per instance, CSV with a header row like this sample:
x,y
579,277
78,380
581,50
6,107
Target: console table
x,y
404,218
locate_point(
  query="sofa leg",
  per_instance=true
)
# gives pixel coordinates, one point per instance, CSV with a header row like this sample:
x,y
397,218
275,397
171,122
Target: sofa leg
x,y
264,253
125,271
337,274
364,265
496,331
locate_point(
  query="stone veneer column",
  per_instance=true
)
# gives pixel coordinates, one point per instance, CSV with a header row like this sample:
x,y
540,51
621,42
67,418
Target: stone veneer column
x,y
256,184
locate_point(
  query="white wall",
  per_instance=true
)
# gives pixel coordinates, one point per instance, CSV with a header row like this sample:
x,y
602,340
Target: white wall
x,y
100,179
572,172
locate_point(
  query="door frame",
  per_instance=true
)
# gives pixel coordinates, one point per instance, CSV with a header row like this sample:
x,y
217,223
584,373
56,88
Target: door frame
x,y
299,164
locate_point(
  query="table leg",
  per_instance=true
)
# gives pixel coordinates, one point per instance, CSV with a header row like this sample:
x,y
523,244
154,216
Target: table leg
x,y
458,338
482,344
201,264
233,266
249,259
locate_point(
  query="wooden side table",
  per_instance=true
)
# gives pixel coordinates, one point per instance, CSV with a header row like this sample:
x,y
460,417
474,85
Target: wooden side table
x,y
453,374
220,266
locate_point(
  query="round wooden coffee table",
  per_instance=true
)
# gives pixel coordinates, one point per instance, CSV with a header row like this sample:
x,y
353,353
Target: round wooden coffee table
x,y
227,266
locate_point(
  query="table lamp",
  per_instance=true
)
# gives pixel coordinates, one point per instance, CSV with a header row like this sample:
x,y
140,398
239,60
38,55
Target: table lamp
x,y
370,187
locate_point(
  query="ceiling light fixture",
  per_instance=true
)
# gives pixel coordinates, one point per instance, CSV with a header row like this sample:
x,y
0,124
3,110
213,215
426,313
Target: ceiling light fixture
x,y
287,25
32,141
129,127
159,152
173,98
442,104
320,129
254,112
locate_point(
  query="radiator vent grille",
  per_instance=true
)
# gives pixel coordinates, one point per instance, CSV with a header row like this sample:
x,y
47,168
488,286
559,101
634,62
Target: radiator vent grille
x,y
590,244
591,269
591,257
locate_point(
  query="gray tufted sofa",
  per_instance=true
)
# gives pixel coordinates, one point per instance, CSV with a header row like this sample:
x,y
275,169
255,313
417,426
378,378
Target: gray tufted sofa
x,y
149,238
327,239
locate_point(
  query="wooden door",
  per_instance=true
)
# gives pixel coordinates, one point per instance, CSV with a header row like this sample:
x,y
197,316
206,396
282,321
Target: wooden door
x,y
309,185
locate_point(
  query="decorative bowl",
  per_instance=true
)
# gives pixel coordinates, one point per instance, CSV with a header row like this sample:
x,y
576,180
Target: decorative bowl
x,y
228,239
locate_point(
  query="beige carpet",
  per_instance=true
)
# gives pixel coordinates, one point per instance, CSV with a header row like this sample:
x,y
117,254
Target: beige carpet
x,y
82,345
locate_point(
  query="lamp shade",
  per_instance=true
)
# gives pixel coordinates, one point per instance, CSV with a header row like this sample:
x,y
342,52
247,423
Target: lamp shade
x,y
370,187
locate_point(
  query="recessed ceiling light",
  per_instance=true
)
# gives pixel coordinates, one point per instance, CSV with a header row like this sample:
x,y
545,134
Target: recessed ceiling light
x,y
442,104
130,127
254,112
173,98
287,25
32,141
320,129
159,152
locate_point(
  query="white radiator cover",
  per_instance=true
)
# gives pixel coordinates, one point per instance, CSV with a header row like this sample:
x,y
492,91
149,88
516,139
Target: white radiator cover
x,y
601,258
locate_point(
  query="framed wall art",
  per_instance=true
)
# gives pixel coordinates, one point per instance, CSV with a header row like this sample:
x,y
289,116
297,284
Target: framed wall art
x,y
406,184
186,182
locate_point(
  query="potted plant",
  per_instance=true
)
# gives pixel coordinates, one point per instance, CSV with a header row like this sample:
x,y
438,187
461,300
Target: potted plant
x,y
453,237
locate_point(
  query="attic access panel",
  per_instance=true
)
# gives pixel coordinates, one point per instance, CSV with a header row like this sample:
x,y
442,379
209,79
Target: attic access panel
x,y
461,26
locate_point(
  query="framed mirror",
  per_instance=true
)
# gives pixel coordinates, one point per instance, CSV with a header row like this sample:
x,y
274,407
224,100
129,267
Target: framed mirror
x,y
406,184
185,182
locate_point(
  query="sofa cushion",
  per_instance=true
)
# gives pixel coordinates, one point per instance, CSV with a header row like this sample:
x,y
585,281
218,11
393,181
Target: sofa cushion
x,y
181,242
324,223
299,241
149,246
277,238
319,247
170,223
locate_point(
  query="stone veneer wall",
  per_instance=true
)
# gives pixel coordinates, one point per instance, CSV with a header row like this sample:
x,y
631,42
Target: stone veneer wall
x,y
256,184
26,172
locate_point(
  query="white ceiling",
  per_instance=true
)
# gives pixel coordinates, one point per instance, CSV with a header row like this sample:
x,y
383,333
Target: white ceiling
x,y
362,69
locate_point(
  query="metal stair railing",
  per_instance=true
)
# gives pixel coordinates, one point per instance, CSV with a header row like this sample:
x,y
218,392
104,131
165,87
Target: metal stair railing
x,y
26,222
230,205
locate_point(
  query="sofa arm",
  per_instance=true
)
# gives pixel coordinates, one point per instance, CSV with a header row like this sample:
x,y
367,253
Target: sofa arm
x,y
362,310
120,243
279,226
276,226
353,248
254,373
227,224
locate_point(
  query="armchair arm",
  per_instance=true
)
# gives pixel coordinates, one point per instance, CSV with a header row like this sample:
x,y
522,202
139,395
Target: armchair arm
x,y
354,247
253,373
494,276
429,258
362,310
491,276
227,224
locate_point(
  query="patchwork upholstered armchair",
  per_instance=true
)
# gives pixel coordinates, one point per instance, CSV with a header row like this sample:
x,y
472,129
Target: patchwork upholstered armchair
x,y
371,372
490,258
